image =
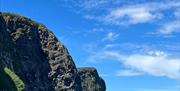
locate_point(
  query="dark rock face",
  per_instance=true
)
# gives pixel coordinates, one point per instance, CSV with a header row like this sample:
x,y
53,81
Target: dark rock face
x,y
43,63
90,80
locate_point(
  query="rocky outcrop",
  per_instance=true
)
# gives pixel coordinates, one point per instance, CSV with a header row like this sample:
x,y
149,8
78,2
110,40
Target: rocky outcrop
x,y
90,80
43,63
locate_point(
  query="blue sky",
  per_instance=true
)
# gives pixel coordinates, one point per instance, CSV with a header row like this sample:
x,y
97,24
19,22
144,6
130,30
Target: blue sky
x,y
134,44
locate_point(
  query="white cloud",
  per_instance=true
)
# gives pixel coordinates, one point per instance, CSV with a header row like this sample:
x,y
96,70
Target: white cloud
x,y
156,53
140,13
123,13
128,73
89,4
130,15
159,64
154,65
104,75
98,30
111,36
170,27
136,13
103,55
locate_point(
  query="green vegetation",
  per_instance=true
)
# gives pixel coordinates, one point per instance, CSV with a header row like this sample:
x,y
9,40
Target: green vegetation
x,y
17,81
16,34
6,83
5,14
9,81
12,14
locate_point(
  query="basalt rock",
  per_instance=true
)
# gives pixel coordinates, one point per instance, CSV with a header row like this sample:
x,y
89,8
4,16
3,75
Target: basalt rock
x,y
90,80
43,63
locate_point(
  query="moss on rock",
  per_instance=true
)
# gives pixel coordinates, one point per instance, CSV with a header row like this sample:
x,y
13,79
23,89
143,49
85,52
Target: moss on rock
x,y
6,82
17,81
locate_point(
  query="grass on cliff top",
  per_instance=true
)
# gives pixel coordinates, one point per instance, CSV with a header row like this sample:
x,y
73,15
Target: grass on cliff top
x,y
23,17
9,81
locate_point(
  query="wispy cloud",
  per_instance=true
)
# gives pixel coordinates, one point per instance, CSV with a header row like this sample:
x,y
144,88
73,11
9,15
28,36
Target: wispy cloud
x,y
156,63
103,55
98,30
146,48
130,15
125,13
128,73
136,13
111,36
170,27
105,75
89,4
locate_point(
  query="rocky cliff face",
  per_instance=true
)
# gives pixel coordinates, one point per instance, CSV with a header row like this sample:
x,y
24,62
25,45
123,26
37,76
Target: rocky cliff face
x,y
43,63
90,80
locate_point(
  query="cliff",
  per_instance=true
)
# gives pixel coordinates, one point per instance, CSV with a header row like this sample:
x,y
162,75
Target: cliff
x,y
32,59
